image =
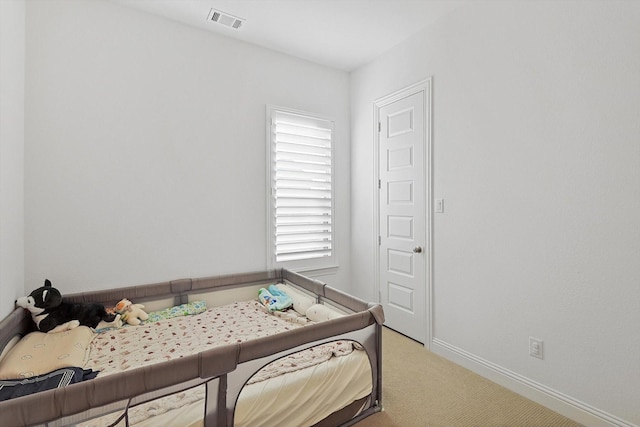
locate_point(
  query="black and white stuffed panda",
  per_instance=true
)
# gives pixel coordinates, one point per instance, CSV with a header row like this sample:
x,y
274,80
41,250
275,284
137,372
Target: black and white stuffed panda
x,y
52,314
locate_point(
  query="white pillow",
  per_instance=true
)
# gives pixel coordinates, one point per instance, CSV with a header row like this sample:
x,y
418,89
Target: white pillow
x,y
301,301
39,353
320,312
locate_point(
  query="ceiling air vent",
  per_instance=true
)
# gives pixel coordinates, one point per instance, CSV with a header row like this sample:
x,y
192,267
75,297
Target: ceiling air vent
x,y
225,19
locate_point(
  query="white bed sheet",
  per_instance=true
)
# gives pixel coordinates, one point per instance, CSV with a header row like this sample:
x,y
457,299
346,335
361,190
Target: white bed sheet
x,y
307,396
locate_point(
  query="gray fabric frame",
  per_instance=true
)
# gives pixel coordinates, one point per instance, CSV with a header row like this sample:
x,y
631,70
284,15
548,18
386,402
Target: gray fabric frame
x,y
223,369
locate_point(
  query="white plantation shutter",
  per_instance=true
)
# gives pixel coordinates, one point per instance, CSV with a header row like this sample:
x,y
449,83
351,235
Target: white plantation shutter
x,y
301,202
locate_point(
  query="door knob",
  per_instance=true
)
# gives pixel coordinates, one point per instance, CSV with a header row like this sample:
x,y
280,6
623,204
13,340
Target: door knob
x,y
417,249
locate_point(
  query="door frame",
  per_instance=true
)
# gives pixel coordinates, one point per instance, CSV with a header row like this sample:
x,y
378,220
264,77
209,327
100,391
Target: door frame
x,y
424,86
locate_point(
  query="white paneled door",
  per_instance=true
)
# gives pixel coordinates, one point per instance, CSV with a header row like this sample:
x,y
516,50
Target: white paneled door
x,y
402,208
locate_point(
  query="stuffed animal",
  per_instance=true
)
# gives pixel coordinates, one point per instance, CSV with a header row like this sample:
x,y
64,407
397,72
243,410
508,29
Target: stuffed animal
x,y
274,299
51,314
131,313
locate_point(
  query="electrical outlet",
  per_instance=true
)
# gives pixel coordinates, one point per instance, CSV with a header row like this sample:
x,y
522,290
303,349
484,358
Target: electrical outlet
x,y
536,348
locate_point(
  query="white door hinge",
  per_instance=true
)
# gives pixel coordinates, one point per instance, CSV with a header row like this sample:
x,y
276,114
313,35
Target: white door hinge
x,y
379,240
379,126
379,184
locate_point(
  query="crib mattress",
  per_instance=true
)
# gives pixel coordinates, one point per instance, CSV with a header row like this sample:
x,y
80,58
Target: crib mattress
x,y
333,374
333,385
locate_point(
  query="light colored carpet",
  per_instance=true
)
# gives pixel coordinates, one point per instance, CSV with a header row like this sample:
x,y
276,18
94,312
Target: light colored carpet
x,y
422,389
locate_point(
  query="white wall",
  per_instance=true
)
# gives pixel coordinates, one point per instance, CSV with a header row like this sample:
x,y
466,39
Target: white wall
x,y
145,147
537,155
144,161
12,53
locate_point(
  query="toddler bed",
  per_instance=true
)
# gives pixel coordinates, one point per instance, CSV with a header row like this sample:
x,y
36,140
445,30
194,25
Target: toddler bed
x,y
231,364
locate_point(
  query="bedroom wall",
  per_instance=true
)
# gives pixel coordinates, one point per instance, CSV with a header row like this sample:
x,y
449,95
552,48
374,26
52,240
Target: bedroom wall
x,y
145,147
12,53
536,153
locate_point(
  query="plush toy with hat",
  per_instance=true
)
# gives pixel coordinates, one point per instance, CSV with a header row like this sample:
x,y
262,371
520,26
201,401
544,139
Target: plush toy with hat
x,y
131,313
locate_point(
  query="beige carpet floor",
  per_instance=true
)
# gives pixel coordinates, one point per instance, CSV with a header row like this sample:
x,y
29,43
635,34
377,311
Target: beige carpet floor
x,y
422,389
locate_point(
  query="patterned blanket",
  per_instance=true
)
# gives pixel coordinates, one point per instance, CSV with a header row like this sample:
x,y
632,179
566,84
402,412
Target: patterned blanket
x,y
118,350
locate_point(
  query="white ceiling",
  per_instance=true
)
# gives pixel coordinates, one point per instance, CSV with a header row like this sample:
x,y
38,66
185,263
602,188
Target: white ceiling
x,y
342,34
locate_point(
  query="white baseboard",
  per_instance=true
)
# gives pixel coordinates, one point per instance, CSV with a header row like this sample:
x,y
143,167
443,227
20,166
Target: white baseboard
x,y
561,403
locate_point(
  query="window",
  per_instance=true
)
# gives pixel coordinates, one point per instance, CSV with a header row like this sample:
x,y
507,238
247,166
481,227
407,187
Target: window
x,y
300,194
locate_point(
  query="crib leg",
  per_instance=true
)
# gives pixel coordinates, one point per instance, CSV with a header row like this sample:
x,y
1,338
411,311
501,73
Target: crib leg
x,y
216,403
